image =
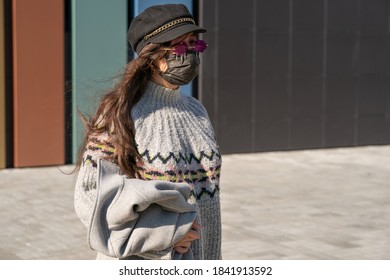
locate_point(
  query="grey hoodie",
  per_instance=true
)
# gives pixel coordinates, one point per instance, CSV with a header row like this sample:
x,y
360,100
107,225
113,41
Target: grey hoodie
x,y
134,218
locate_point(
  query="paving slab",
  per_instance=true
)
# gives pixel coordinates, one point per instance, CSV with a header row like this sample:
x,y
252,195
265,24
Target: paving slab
x,y
311,204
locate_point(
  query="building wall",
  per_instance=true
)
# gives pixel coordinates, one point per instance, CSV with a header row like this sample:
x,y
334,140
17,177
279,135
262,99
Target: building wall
x,y
278,74
297,74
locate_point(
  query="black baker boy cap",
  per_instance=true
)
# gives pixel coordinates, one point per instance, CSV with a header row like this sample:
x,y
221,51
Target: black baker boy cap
x,y
160,24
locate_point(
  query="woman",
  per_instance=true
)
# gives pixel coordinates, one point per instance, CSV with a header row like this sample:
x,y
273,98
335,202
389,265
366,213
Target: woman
x,y
160,142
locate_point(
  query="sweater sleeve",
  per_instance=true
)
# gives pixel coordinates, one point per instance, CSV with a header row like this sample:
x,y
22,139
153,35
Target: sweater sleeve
x,y
85,188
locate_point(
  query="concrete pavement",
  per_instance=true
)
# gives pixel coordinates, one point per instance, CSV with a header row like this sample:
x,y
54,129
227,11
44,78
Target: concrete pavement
x,y
313,204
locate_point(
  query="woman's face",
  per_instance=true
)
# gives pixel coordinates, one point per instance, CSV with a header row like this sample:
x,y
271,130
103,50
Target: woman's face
x,y
189,39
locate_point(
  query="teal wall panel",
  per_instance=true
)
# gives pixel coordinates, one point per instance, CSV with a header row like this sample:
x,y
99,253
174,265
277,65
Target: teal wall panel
x,y
140,5
99,54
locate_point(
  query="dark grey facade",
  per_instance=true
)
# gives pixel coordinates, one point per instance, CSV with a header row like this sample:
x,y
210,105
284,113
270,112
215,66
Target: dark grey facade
x,y
296,74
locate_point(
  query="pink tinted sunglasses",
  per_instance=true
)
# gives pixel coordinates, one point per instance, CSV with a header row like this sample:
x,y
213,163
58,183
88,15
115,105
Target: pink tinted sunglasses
x,y
180,49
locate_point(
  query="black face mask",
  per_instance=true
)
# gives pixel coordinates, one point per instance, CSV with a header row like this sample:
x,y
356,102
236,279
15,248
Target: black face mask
x,y
181,69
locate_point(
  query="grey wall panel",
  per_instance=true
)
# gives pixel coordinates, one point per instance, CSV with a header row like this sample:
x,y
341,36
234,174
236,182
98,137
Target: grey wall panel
x,y
234,59
374,54
340,111
271,134
271,113
307,54
305,133
272,54
297,74
306,111
339,131
372,130
373,95
341,96
342,54
306,97
273,14
342,15
234,114
374,15
308,14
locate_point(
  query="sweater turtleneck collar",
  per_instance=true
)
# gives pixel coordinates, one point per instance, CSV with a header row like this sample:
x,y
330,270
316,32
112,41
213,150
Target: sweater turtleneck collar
x,y
161,93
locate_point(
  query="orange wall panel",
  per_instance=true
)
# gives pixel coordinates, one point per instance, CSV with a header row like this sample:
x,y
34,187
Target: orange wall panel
x,y
38,63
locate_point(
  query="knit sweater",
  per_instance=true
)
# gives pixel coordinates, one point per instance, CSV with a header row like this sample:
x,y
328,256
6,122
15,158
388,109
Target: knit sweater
x,y
175,138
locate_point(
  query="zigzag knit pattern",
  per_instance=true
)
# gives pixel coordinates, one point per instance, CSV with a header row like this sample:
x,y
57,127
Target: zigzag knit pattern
x,y
193,176
186,158
101,146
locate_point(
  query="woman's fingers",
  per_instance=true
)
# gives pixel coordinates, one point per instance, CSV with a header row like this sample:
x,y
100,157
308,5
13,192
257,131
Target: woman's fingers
x,y
181,250
192,235
183,245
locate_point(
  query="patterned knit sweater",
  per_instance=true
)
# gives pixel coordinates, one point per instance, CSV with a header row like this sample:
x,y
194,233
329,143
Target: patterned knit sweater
x,y
176,141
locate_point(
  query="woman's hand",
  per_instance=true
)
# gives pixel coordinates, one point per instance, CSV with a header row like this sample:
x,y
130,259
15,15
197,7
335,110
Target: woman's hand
x,y
183,245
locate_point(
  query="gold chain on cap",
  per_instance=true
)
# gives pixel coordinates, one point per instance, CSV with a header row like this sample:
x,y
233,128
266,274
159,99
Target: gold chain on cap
x,y
166,26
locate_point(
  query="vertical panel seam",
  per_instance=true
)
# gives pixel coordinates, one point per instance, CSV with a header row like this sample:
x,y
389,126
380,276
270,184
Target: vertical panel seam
x,y
357,77
254,44
388,17
324,73
289,75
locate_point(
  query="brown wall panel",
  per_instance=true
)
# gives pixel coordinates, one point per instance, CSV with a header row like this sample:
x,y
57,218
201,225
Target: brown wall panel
x,y
2,88
38,63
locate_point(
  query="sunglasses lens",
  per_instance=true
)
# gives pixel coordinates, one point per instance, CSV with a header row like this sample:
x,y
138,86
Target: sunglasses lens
x,y
180,49
199,47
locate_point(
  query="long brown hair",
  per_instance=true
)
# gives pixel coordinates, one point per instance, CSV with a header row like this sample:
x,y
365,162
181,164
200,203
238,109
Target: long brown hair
x,y
113,115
